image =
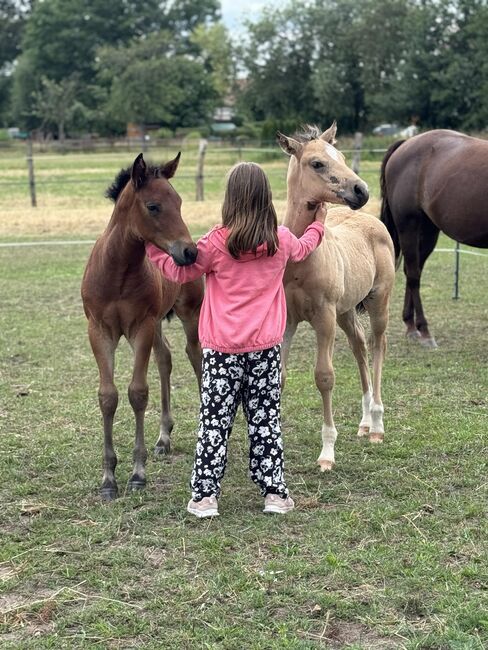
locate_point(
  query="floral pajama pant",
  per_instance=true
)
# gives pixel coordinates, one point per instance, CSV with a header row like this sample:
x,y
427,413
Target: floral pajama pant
x,y
227,379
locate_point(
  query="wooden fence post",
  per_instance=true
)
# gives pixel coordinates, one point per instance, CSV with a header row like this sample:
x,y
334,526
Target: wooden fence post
x,y
202,147
30,167
356,159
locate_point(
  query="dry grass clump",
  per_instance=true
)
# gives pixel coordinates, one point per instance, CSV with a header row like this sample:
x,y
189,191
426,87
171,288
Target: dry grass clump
x,y
56,217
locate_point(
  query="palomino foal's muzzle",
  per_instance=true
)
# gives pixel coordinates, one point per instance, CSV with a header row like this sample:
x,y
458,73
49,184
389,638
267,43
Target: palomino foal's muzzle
x,y
355,196
183,253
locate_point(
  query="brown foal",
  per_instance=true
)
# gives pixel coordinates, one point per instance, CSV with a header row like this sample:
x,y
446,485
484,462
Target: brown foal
x,y
124,295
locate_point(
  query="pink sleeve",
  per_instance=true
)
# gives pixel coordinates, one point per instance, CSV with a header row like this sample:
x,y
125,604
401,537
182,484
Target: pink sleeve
x,y
311,238
181,274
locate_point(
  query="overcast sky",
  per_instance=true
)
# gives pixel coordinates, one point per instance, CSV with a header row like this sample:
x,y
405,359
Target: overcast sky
x,y
234,11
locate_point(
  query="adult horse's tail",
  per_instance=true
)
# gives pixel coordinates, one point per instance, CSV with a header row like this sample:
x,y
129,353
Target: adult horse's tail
x,y
386,215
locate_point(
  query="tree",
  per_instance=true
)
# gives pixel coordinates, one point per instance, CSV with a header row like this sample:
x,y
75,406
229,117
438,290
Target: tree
x,y
62,38
148,83
278,57
13,15
56,103
215,53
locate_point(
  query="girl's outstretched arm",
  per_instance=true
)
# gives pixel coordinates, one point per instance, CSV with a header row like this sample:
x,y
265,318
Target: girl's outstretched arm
x,y
311,238
181,274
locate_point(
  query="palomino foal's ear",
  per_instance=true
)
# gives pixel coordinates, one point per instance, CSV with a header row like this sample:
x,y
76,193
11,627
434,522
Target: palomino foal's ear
x,y
290,146
330,134
138,172
169,169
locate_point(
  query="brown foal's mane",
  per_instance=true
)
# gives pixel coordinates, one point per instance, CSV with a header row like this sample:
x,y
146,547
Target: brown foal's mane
x,y
123,177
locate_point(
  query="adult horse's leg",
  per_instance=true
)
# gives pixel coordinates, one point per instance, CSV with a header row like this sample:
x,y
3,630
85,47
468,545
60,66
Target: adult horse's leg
x,y
103,347
324,324
353,329
417,241
141,343
162,355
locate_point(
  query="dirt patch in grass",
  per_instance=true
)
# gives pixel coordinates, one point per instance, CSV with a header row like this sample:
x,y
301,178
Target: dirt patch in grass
x,y
343,634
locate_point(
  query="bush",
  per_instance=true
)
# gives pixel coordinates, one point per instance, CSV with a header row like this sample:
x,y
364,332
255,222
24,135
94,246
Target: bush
x,y
164,133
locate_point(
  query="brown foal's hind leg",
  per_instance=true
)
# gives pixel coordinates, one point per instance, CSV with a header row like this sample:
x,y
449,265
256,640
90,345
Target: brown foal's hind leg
x,y
350,324
103,347
141,343
187,308
162,355
324,324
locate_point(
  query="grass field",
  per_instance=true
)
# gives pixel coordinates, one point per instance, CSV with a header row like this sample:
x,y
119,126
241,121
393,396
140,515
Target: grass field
x,y
387,551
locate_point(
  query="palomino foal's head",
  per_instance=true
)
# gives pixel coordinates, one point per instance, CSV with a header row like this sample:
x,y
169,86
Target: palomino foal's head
x,y
320,169
153,208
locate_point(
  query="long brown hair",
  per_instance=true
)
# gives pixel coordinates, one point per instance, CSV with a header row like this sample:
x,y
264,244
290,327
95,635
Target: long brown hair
x,y
248,211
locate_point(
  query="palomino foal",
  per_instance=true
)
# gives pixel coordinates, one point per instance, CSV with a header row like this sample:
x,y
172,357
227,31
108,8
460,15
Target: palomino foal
x,y
353,266
125,295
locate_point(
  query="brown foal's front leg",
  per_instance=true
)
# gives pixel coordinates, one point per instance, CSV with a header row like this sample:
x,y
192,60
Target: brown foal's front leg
x,y
162,355
103,347
141,343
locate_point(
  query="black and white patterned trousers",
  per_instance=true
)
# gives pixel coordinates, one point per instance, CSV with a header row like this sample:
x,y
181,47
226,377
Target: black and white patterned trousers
x,y
255,379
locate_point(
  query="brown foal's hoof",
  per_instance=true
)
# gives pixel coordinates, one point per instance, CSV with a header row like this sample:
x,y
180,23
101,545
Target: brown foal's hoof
x,y
136,483
162,450
363,431
109,492
325,465
376,438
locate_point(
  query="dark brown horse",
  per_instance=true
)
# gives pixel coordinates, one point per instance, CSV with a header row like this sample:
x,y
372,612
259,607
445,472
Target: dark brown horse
x,y
436,181
124,295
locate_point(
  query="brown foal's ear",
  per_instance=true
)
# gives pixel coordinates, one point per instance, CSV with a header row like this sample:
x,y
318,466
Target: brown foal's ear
x,y
290,146
330,134
138,172
169,169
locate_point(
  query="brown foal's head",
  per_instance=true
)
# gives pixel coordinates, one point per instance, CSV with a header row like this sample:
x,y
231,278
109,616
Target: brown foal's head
x,y
154,208
321,168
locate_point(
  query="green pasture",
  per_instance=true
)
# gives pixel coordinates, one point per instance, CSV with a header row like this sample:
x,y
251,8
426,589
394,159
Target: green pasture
x,y
85,176
386,551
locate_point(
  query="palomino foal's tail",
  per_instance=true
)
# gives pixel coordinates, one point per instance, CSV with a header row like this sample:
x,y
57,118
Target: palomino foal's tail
x,y
386,216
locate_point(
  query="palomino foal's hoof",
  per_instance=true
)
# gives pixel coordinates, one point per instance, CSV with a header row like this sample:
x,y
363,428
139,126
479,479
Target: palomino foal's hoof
x,y
325,465
109,492
376,438
136,483
363,431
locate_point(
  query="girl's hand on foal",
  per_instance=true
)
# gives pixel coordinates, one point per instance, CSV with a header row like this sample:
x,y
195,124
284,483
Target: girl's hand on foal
x,y
320,213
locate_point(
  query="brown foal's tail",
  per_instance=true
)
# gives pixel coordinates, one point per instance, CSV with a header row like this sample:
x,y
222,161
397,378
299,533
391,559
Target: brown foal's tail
x,y
386,216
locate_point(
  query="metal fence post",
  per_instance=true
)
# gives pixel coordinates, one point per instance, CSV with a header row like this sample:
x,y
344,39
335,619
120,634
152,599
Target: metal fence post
x,y
30,167
457,248
356,159
202,147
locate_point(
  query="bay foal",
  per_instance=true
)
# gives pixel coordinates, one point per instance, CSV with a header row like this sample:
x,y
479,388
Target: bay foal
x,y
124,295
353,266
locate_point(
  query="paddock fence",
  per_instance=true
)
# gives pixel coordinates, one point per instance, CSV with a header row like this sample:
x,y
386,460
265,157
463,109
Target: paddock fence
x,y
206,181
205,157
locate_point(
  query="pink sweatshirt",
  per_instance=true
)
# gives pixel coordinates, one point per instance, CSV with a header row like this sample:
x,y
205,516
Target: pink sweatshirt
x,y
244,308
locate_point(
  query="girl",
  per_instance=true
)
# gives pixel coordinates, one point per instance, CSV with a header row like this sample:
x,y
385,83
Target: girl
x,y
241,326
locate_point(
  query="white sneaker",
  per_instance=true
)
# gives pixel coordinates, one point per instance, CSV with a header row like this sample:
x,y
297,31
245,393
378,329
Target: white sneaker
x,y
207,507
274,503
